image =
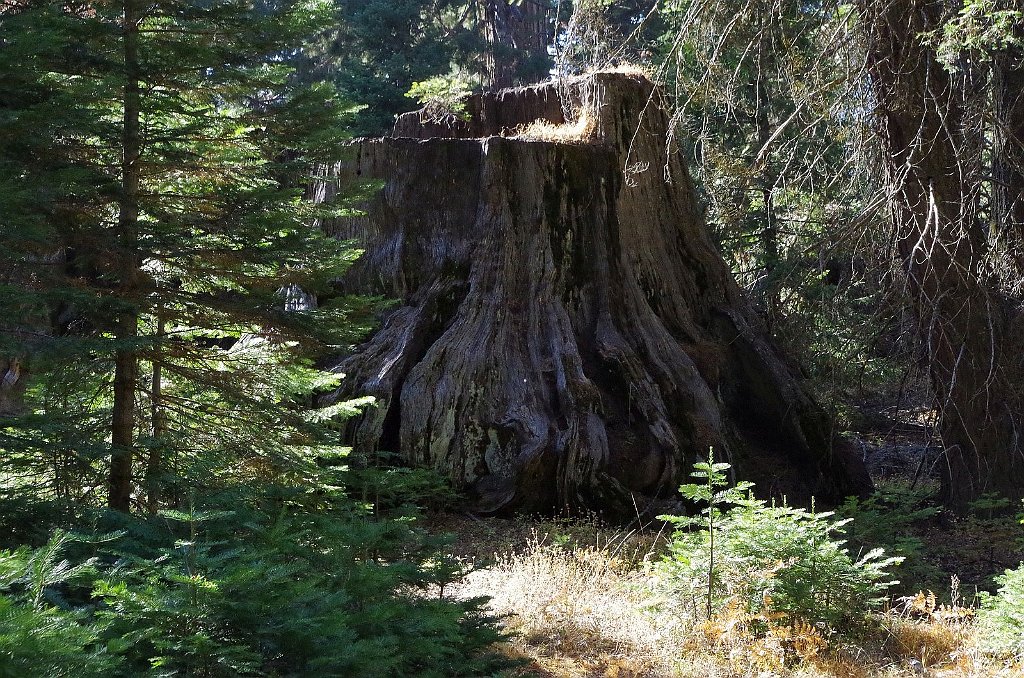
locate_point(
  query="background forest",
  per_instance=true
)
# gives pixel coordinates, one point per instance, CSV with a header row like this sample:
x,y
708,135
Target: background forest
x,y
177,499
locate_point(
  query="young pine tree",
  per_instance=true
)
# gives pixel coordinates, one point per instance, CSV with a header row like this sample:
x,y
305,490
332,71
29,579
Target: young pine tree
x,y
159,273
152,159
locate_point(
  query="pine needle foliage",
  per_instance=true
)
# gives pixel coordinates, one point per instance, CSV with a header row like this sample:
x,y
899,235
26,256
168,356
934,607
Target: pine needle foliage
x,y
271,580
888,518
168,292
741,550
162,274
49,642
1001,616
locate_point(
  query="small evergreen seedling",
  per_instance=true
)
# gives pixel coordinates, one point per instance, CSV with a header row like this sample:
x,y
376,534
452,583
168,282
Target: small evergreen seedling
x,y
740,551
716,492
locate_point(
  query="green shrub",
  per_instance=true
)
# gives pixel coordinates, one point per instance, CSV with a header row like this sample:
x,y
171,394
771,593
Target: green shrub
x,y
37,636
443,97
888,519
268,581
294,593
49,642
767,558
1001,617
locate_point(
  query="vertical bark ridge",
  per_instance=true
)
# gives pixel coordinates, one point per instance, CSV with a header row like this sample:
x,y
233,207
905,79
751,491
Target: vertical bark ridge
x,y
596,345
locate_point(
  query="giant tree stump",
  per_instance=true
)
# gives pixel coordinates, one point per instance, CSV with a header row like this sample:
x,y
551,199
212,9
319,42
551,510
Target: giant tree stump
x,y
568,335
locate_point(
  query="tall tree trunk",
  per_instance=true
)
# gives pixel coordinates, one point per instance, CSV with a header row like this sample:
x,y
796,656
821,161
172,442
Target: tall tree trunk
x,y
497,61
517,37
532,37
568,336
933,156
126,360
1008,143
158,422
767,181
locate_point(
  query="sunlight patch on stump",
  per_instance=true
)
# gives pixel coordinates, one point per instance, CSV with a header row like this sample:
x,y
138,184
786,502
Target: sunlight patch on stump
x,y
568,335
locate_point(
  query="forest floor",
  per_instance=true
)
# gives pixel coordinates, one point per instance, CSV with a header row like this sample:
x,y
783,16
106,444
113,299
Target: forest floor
x,y
576,594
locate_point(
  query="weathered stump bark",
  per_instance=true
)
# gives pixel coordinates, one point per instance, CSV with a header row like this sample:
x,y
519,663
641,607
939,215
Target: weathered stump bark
x,y
568,334
11,385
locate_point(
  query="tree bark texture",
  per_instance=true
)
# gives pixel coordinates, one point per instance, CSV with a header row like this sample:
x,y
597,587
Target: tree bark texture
x,y
568,336
158,422
126,360
517,35
12,384
1008,142
971,334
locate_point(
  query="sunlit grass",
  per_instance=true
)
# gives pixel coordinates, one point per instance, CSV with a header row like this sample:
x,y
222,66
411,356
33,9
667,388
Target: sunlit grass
x,y
582,601
581,130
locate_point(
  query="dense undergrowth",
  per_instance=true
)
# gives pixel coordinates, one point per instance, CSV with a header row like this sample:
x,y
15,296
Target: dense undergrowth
x,y
290,579
275,581
746,588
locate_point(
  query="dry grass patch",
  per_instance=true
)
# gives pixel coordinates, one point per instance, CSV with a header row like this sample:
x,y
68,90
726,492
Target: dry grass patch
x,y
577,610
581,602
931,633
583,127
625,69
580,131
